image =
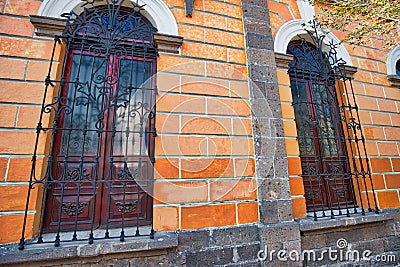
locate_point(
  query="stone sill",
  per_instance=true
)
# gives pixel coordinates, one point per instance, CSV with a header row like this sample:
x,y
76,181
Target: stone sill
x,y
9,254
308,224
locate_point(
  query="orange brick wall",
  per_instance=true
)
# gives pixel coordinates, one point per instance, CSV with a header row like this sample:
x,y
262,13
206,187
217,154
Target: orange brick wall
x,y
379,105
204,151
204,167
24,63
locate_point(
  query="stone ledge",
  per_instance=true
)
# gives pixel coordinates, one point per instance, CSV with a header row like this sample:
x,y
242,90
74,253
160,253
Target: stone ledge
x,y
9,254
308,224
394,80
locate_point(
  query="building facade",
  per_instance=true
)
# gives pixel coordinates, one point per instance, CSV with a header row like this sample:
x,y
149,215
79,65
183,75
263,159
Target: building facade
x,y
194,133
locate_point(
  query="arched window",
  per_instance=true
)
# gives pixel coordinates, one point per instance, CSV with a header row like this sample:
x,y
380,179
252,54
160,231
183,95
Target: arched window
x,y
398,68
325,164
100,166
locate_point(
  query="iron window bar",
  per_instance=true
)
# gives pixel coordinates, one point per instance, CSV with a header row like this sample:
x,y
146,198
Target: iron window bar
x,y
97,177
335,166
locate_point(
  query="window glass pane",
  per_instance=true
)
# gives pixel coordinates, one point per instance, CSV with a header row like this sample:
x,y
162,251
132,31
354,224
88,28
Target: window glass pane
x,y
303,119
132,117
325,109
84,104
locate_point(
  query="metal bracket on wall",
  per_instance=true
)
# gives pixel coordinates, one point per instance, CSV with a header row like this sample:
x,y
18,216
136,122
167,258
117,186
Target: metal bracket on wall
x,y
189,7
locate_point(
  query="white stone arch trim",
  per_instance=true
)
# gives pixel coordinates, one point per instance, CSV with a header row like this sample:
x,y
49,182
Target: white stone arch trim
x,y
393,58
155,10
293,28
307,11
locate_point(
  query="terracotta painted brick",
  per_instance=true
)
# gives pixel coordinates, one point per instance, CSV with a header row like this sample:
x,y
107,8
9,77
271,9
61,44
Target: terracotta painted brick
x,y
207,168
388,199
296,186
392,181
16,26
387,105
244,167
230,146
287,111
372,149
365,117
374,90
25,141
227,71
292,147
239,89
208,216
3,168
22,7
367,103
379,118
378,183
13,198
167,123
206,125
368,64
181,145
19,92
392,133
294,165
12,68
363,76
234,25
381,165
198,18
374,133
355,50
224,190
392,93
38,70
380,79
28,117
234,107
214,21
396,164
204,51
236,55
191,33
299,208
376,54
395,119
206,86
242,127
168,82
283,78
225,38
28,48
177,193
290,129
165,218
388,149
7,116
223,9
281,9
247,212
358,88
276,20
285,94
177,64
165,168
19,169
11,228
180,103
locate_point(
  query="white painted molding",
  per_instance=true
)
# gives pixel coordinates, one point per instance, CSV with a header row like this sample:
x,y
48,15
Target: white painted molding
x,y
307,11
156,11
393,57
294,28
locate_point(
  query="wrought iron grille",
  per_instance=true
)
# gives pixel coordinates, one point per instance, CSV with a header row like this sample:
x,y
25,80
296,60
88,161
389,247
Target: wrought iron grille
x,y
97,179
334,161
